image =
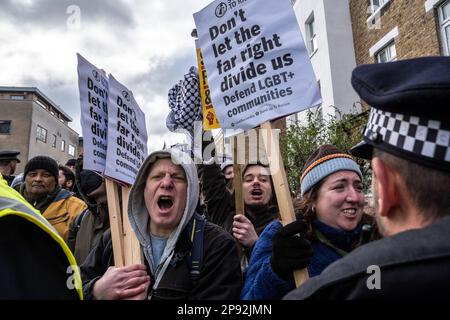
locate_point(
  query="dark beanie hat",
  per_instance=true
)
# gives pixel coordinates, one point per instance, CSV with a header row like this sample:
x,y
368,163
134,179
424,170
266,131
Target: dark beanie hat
x,y
89,181
325,161
44,163
71,162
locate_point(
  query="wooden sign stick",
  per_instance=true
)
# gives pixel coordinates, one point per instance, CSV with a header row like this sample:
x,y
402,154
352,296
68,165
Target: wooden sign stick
x,y
115,221
237,180
132,247
281,186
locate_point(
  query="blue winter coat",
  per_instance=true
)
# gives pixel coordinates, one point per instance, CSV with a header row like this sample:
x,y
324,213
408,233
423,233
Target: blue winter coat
x,y
262,283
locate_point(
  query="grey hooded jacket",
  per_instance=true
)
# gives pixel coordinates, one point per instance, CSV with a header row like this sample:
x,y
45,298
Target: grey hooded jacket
x,y
220,275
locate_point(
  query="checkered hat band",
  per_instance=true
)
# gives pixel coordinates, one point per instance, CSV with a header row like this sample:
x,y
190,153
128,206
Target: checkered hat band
x,y
324,169
423,137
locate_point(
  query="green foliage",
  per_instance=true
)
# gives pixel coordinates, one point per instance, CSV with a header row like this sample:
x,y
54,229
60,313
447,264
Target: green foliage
x,y
301,139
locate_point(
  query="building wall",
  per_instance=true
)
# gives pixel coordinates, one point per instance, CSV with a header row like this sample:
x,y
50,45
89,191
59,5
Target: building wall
x,y
19,113
25,115
334,59
44,119
418,33
341,55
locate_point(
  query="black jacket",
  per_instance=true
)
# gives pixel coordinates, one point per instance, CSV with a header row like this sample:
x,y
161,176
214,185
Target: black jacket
x,y
219,202
414,264
32,264
220,277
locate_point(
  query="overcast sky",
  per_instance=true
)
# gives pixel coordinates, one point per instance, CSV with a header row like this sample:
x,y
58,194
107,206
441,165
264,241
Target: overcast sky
x,y
145,44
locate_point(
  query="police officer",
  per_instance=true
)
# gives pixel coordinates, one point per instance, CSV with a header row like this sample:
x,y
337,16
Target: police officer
x,y
35,262
8,162
407,138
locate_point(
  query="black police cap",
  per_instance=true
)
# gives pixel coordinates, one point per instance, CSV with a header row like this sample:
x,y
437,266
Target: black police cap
x,y
9,155
410,114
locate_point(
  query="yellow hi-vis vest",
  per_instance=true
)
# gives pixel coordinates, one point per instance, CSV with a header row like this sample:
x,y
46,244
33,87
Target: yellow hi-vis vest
x,y
12,203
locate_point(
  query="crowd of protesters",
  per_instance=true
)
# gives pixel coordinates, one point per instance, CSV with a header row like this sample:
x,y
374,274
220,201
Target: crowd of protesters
x,y
196,246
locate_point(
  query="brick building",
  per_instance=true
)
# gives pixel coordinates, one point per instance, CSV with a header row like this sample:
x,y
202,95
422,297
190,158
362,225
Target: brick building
x,y
389,30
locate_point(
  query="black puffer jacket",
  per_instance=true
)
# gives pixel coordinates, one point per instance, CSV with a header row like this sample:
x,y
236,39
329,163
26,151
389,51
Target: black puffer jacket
x,y
220,277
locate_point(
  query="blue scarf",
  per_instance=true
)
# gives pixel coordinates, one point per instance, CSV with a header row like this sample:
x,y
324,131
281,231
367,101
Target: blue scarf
x,y
325,254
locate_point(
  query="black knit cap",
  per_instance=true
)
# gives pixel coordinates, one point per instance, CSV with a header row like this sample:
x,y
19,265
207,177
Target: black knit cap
x,y
89,181
71,162
44,163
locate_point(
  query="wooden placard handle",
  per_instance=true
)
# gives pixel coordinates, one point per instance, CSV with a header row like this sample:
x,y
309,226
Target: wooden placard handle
x,y
126,247
281,186
131,245
115,221
237,180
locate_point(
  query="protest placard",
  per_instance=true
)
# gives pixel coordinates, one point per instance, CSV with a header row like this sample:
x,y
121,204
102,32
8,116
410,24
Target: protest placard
x,y
257,64
210,120
93,87
127,134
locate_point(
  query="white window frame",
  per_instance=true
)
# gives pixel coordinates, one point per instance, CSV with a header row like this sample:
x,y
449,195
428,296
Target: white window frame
x,y
444,25
383,42
41,134
391,53
73,149
54,139
43,106
377,6
63,145
376,9
311,37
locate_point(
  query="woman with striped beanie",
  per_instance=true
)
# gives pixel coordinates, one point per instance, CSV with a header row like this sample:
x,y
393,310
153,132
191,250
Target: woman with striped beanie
x,y
329,225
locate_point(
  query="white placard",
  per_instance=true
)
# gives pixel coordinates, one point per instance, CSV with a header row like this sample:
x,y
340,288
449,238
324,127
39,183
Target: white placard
x,y
257,63
127,134
93,86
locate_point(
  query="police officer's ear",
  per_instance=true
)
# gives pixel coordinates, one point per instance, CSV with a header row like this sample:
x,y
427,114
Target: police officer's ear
x,y
385,185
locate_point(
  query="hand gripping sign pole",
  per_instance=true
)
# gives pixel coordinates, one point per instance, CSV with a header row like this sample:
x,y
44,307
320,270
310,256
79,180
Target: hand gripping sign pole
x,y
281,186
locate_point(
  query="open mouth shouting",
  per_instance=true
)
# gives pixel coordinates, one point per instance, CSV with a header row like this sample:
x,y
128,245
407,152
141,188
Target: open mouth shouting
x,y
256,194
165,203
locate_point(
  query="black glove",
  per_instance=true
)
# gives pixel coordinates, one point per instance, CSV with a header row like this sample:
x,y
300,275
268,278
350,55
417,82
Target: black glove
x,y
290,249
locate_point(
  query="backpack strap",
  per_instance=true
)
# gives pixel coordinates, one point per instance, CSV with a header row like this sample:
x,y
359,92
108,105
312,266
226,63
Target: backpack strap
x,y
196,229
79,218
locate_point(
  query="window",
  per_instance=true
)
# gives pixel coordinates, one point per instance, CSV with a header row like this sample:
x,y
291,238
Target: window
x,y
374,11
17,97
63,145
311,40
377,4
5,127
54,140
41,104
444,21
41,134
387,54
72,150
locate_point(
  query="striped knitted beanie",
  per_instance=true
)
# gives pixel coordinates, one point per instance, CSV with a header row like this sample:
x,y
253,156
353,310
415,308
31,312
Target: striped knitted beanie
x,y
323,162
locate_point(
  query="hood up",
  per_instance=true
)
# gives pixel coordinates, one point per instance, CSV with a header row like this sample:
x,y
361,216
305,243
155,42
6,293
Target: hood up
x,y
139,216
